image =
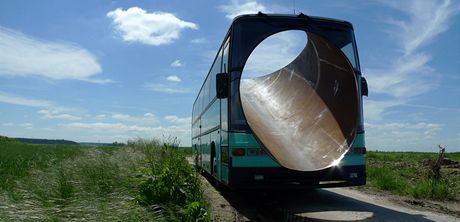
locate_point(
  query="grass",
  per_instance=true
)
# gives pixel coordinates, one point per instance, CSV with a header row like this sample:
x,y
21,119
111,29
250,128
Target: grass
x,y
73,182
408,173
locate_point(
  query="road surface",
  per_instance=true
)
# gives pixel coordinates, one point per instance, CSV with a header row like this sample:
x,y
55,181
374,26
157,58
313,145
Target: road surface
x,y
332,204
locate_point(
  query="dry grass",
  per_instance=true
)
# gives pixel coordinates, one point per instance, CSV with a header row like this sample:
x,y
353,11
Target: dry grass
x,y
65,183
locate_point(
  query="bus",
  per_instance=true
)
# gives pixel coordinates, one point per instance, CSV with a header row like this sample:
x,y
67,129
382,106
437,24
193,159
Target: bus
x,y
300,126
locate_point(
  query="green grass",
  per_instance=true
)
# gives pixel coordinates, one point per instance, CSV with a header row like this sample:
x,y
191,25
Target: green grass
x,y
72,182
408,173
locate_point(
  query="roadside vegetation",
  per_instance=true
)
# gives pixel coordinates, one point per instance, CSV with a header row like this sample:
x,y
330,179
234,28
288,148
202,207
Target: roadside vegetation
x,y
144,180
415,174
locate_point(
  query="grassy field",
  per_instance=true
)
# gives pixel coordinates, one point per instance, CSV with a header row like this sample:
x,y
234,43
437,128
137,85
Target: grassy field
x,y
409,174
142,181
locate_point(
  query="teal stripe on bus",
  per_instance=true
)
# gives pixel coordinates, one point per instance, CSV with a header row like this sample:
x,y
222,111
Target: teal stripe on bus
x,y
359,141
247,140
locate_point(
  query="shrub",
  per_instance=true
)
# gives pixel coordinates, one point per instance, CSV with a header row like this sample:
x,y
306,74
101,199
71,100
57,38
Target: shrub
x,y
172,183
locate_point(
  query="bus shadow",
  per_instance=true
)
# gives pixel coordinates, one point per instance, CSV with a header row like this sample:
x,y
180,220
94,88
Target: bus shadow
x,y
313,205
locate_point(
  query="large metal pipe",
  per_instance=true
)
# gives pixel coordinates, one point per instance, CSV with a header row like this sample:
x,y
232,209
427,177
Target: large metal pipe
x,y
305,114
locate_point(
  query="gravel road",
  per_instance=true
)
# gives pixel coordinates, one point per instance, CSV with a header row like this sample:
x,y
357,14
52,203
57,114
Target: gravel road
x,y
333,204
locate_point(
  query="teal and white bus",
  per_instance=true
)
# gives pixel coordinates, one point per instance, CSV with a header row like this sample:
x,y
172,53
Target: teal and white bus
x,y
270,115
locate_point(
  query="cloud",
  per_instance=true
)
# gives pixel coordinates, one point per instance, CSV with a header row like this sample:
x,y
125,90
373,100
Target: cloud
x,y
402,136
173,78
177,120
427,19
146,119
409,74
113,131
156,28
236,8
26,125
176,63
164,88
56,114
408,77
21,101
100,117
374,110
114,127
198,40
22,55
99,81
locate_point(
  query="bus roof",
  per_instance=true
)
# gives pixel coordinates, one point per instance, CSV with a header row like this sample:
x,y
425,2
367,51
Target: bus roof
x,y
289,16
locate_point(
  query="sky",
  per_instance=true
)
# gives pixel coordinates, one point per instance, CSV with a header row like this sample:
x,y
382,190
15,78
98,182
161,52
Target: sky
x,y
105,71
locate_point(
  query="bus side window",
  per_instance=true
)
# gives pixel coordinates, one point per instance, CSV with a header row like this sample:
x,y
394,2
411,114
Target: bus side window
x,y
225,57
216,67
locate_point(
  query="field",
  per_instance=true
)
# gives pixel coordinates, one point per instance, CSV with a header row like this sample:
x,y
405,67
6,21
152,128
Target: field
x,y
410,174
142,181
151,181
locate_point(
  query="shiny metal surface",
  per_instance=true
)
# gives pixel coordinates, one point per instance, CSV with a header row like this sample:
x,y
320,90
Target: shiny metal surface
x,y
305,114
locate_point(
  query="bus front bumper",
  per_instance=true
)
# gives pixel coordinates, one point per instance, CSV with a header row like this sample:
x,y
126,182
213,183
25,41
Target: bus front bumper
x,y
283,178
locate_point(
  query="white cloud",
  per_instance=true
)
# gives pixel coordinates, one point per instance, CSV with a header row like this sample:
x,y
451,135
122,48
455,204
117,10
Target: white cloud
x,y
121,116
236,8
176,63
26,125
177,120
198,41
17,100
99,81
402,136
22,55
410,74
165,88
100,117
146,119
427,20
56,114
173,78
149,115
113,131
374,110
156,28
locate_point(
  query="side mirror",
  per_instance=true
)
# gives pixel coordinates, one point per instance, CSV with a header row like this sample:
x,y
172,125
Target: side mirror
x,y
364,90
222,85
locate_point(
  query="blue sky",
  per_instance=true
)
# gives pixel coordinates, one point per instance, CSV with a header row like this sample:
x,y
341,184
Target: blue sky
x,y
114,70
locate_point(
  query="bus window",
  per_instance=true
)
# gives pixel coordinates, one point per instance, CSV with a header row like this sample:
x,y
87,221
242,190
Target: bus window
x,y
216,68
225,57
348,50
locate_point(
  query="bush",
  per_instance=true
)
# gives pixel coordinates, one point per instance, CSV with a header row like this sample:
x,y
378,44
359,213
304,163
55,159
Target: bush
x,y
172,183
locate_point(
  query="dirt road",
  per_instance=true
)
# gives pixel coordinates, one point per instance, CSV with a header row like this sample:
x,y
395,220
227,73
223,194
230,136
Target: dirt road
x,y
335,204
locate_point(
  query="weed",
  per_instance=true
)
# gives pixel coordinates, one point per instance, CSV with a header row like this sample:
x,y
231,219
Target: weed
x,y
386,179
172,182
71,182
432,189
408,173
